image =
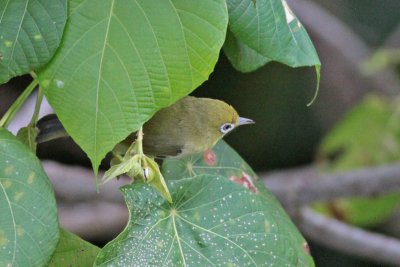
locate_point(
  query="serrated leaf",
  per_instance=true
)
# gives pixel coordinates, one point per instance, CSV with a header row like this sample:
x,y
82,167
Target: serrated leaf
x,y
121,61
73,251
225,161
221,160
270,28
211,222
242,57
29,224
30,32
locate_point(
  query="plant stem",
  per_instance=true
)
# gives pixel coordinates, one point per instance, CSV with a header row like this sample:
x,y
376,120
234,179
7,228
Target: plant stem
x,y
139,141
37,107
8,117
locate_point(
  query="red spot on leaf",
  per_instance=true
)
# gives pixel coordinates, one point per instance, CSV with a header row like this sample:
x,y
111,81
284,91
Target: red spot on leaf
x,y
244,180
210,158
306,248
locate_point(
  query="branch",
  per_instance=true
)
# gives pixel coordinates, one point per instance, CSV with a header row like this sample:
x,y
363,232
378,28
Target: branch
x,y
77,184
299,187
84,211
350,240
94,220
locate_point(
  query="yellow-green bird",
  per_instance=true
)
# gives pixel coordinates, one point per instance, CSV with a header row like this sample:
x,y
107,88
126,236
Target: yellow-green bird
x,y
190,125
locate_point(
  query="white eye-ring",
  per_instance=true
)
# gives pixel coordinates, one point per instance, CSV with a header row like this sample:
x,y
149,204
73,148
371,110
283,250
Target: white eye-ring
x,y
226,127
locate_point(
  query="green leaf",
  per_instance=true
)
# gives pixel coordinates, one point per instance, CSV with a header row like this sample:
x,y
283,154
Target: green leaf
x,y
211,222
138,166
221,160
225,161
121,61
29,224
271,29
73,251
30,32
221,215
27,135
242,57
351,145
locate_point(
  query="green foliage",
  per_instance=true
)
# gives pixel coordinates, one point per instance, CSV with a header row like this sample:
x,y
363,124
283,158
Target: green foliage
x,y
29,224
218,217
121,61
368,135
270,29
380,60
115,65
73,251
242,57
138,166
27,135
30,32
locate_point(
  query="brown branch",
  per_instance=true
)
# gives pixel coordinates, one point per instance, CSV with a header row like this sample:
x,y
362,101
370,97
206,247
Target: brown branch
x,y
75,183
83,210
348,239
94,220
299,187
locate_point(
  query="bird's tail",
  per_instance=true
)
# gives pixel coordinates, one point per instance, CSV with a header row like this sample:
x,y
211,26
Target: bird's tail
x,y
49,128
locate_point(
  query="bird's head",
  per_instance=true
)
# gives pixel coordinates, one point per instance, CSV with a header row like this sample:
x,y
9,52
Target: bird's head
x,y
223,118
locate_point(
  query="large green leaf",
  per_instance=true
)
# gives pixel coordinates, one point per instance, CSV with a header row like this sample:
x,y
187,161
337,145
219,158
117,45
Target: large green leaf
x,y
271,29
30,32
212,222
225,161
28,224
242,57
121,61
221,215
73,251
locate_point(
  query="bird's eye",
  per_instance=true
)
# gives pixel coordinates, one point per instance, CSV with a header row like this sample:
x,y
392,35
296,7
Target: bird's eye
x,y
226,127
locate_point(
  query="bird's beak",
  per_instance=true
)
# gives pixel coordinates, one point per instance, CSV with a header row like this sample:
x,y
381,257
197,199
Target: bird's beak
x,y
243,121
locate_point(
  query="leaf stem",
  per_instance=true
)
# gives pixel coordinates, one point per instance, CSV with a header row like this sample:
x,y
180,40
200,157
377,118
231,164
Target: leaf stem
x,y
318,73
37,107
8,117
139,141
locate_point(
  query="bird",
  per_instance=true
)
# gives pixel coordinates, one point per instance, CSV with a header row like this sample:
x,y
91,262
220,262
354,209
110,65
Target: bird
x,y
190,125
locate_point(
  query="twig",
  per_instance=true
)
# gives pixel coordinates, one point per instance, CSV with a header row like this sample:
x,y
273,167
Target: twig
x,y
350,240
77,184
303,186
94,220
297,188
